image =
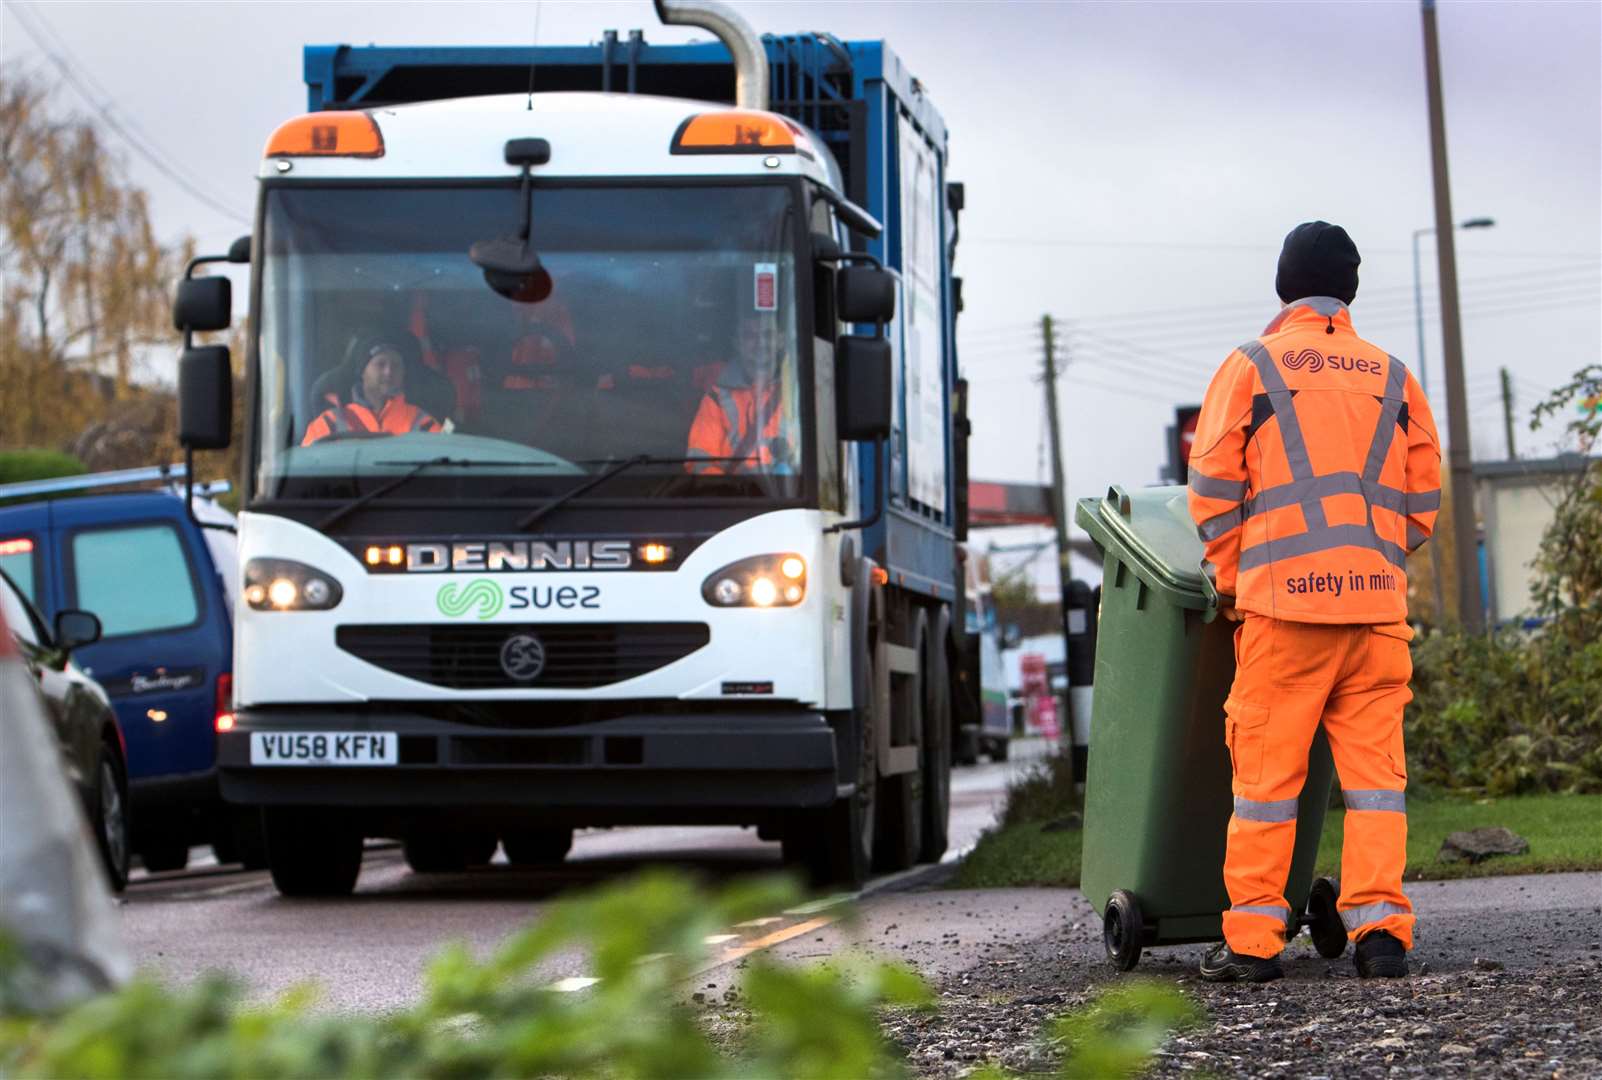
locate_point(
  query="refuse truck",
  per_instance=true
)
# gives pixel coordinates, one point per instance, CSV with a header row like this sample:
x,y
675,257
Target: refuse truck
x,y
1157,793
604,459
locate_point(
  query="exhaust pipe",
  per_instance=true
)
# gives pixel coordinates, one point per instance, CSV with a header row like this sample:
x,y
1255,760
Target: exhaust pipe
x,y
750,55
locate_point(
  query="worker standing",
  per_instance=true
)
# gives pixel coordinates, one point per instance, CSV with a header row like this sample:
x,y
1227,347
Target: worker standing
x,y
1315,472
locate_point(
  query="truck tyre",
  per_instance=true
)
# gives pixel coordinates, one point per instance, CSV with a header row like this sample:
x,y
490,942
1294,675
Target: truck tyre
x,y
166,852
1000,748
111,819
537,847
900,839
309,854
936,758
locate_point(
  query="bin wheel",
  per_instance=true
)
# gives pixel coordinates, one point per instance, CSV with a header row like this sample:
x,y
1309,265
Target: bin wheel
x,y
1324,919
1123,930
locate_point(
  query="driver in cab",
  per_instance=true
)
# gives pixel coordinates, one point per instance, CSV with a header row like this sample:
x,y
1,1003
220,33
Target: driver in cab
x,y
375,403
745,424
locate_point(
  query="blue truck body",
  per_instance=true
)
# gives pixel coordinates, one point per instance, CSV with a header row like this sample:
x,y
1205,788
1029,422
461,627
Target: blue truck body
x,y
157,582
879,123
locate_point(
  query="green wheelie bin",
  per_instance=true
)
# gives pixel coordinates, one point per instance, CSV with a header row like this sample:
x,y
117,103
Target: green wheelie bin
x,y
1157,797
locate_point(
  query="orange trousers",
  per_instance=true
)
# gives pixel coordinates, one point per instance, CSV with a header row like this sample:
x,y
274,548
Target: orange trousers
x,y
1289,678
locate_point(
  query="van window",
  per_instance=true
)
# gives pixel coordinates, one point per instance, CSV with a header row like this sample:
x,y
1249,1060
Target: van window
x,y
16,559
135,577
20,620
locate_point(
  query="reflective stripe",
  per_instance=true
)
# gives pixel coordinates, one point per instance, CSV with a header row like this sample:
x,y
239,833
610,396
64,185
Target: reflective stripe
x,y
1376,799
1217,526
1359,917
1325,539
1415,537
1213,487
1290,427
1283,914
1276,810
1296,491
1421,502
1385,430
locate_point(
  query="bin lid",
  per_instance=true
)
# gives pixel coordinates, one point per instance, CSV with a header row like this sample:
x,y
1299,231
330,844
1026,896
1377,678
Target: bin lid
x,y
1151,529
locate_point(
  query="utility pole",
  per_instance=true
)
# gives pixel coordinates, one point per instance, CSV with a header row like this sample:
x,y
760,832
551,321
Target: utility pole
x,y
1507,413
1464,530
1059,511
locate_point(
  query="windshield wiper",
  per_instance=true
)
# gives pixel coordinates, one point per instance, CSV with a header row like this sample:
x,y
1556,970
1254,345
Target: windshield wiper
x,y
384,489
600,478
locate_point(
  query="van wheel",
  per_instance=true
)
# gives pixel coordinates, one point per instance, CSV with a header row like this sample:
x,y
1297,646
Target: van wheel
x,y
310,852
163,853
537,847
111,819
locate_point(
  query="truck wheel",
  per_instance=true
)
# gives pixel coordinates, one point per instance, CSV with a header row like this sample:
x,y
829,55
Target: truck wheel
x,y
478,847
1324,919
111,820
537,847
1000,748
936,763
966,752
163,853
900,836
309,854
1122,930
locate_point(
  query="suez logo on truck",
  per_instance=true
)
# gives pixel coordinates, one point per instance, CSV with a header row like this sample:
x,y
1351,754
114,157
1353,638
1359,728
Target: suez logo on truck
x,y
485,598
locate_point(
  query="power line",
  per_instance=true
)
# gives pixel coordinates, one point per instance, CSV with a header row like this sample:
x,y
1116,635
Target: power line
x,y
84,84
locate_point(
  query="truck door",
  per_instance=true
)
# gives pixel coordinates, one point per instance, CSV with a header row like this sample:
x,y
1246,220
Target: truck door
x,y
165,635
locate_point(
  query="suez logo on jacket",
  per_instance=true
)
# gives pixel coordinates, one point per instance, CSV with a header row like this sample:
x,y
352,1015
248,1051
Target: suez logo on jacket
x,y
1315,361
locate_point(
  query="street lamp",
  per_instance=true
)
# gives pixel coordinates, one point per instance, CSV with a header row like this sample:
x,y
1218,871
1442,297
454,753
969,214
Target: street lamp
x,y
1424,380
1418,291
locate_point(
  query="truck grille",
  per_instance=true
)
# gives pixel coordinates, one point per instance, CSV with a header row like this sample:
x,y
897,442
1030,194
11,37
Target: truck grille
x,y
576,656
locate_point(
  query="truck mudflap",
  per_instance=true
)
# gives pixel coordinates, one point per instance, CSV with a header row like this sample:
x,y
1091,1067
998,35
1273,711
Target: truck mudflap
x,y
698,763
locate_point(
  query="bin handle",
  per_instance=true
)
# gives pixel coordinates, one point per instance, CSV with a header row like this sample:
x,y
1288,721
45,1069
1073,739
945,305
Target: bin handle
x,y
1120,498
1214,600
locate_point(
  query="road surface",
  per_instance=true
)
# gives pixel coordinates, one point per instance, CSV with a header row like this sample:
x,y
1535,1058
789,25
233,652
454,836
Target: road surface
x,y
368,951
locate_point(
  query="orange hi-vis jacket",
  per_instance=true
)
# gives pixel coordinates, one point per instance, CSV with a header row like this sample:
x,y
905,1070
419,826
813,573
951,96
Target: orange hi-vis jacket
x,y
397,417
737,422
1315,471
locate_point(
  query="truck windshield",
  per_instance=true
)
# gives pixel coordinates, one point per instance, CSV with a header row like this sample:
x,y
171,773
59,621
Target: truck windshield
x,y
667,332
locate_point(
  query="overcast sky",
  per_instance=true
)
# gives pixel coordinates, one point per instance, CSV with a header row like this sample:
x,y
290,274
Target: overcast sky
x,y
1130,168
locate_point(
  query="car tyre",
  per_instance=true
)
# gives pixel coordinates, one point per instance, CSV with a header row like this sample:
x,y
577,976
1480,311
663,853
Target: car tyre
x,y
111,818
311,853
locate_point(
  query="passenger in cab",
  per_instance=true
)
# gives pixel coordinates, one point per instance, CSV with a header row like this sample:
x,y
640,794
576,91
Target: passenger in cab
x,y
375,402
746,422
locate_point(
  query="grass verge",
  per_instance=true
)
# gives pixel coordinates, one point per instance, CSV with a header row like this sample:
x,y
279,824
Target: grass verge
x,y
1564,831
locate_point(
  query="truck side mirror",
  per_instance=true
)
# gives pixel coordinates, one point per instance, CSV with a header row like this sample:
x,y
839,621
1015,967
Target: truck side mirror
x,y
239,250
205,396
862,376
203,304
866,294
75,629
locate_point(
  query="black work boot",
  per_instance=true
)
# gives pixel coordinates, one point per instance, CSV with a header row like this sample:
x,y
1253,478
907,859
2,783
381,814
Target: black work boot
x,y
1223,964
1380,956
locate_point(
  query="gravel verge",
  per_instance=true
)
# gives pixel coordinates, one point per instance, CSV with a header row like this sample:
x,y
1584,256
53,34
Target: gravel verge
x,y
1494,994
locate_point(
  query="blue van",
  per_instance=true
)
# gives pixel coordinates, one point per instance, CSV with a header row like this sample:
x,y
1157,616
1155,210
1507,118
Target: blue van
x,y
162,586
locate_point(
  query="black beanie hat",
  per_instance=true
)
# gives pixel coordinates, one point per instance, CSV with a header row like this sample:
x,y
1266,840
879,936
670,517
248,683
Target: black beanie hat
x,y
1318,259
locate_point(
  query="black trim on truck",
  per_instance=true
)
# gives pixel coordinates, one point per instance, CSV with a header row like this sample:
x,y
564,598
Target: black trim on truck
x,y
692,766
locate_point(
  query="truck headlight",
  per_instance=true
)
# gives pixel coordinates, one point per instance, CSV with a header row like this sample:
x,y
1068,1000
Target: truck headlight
x,y
285,585
760,581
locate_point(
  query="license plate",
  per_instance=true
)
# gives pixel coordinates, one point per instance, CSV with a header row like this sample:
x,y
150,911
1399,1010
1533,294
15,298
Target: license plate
x,y
323,747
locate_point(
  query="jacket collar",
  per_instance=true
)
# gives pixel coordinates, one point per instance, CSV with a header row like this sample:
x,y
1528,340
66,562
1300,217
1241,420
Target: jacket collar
x,y
1311,311
359,398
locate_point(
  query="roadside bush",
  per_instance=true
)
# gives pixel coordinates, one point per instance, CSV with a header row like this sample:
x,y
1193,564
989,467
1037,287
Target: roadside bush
x,y
1512,711
17,466
643,939
1044,792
